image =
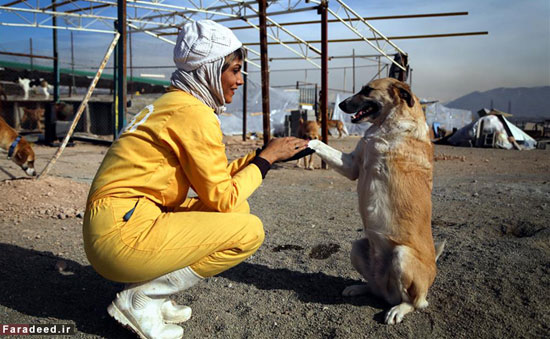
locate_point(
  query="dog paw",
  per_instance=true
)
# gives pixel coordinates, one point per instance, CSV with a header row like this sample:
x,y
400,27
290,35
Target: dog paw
x,y
313,144
355,290
395,314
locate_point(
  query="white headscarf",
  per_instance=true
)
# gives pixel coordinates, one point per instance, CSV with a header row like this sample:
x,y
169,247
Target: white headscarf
x,y
204,83
199,56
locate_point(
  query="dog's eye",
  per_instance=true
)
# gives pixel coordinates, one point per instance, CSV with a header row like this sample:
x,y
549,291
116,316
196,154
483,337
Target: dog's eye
x,y
365,91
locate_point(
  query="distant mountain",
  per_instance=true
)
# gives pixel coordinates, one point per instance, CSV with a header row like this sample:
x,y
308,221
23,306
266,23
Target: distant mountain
x,y
525,103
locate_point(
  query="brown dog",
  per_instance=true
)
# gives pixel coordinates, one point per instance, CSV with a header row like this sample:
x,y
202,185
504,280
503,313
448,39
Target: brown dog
x,y
336,124
308,130
19,150
393,164
32,118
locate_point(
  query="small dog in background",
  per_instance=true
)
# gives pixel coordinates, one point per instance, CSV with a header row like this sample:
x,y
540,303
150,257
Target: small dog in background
x,y
308,130
39,87
338,125
19,150
32,118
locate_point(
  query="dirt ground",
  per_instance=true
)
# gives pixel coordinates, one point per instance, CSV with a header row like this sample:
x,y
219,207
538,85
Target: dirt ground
x,y
492,207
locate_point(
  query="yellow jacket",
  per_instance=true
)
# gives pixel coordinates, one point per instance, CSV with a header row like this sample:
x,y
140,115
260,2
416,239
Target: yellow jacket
x,y
171,145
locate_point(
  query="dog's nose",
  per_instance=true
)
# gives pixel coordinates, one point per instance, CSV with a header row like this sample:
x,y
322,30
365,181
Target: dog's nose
x,y
31,172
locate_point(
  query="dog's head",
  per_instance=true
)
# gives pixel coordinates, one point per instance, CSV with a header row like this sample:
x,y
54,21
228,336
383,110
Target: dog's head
x,y
309,129
377,99
24,157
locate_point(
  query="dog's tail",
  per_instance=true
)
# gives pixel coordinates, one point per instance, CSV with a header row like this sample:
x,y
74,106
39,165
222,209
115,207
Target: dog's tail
x,y
439,246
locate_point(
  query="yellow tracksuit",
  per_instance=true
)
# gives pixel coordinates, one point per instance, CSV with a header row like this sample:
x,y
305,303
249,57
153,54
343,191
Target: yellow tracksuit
x,y
139,223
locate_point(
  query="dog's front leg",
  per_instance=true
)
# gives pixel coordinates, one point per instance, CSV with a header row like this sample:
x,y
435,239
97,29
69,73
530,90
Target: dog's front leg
x,y
343,163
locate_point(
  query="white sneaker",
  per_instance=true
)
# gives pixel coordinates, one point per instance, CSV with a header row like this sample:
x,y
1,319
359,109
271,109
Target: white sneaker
x,y
133,309
173,313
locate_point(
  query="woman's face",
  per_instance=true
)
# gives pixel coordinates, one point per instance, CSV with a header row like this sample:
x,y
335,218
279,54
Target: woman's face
x,y
231,80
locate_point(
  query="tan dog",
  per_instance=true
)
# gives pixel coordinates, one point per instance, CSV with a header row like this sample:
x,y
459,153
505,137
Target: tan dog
x,y
32,118
19,150
308,130
393,163
336,124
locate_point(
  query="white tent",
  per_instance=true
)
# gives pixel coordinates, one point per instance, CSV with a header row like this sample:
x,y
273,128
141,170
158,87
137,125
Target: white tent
x,y
499,126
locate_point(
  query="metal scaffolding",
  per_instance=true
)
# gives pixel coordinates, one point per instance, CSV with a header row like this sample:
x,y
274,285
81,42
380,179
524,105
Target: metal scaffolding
x,y
161,19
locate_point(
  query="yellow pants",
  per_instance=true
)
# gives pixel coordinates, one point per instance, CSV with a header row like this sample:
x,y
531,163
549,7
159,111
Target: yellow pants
x,y
158,240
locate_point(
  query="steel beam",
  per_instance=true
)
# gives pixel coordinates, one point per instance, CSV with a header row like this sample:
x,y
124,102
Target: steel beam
x,y
265,71
323,10
245,97
398,37
371,18
121,55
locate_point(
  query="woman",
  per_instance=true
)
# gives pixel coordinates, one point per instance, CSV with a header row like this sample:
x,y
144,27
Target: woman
x,y
140,227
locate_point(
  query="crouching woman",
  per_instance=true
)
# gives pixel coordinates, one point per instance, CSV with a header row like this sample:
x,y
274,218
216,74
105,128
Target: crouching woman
x,y
140,226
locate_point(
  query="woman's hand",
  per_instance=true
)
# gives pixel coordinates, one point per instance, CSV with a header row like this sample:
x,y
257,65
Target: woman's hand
x,y
282,148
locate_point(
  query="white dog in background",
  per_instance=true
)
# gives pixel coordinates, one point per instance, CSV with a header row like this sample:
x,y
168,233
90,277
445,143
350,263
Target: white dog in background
x,y
40,87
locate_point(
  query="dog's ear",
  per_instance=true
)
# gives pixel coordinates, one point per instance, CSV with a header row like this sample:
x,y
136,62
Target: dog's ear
x,y
405,93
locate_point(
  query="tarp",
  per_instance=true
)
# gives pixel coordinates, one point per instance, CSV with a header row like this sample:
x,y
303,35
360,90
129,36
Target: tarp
x,y
281,102
446,117
492,124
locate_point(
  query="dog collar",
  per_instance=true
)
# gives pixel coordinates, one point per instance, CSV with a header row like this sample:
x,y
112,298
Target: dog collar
x,y
13,146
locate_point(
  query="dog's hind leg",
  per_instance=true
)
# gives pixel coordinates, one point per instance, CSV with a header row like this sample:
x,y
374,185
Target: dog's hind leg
x,y
395,314
411,280
360,261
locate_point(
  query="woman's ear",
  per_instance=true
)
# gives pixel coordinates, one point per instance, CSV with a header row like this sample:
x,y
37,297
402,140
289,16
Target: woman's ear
x,y
405,93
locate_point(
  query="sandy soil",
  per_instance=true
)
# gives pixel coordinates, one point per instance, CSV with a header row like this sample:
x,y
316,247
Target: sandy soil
x,y
492,206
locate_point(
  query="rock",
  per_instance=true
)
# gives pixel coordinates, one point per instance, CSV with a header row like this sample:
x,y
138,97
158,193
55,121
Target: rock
x,y
60,265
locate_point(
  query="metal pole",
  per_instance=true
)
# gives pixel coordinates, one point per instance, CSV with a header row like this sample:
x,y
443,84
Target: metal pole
x,y
316,102
131,64
323,7
353,87
72,68
122,82
56,60
115,88
245,97
30,40
265,71
344,85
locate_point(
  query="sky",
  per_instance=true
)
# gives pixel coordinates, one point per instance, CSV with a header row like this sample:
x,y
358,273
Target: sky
x,y
515,53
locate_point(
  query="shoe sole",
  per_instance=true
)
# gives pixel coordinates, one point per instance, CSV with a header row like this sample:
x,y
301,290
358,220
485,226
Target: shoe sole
x,y
121,319
178,320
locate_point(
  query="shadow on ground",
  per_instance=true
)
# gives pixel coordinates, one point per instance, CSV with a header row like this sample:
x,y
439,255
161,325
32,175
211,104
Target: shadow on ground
x,y
309,287
31,284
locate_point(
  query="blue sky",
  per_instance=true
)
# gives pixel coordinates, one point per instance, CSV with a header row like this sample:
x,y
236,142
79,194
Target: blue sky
x,y
515,53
